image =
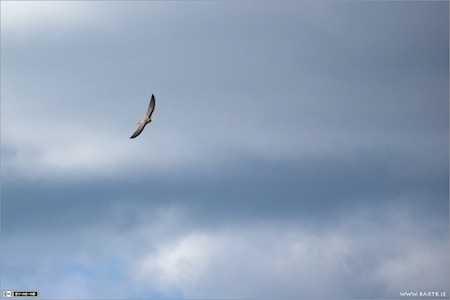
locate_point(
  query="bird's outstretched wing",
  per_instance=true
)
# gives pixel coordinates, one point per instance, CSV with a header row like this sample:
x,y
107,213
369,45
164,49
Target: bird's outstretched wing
x,y
147,118
139,129
151,108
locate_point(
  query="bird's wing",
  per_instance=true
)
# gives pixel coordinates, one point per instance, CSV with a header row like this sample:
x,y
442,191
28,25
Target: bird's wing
x,y
138,130
151,107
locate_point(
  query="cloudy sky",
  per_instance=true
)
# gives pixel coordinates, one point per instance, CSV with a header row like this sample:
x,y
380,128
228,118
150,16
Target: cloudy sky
x,y
297,150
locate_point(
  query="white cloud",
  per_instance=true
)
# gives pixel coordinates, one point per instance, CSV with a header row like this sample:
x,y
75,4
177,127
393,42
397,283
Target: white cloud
x,y
55,157
64,152
422,267
183,261
289,260
28,17
165,254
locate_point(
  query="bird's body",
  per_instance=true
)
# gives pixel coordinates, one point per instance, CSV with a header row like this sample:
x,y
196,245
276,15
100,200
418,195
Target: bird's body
x,y
147,119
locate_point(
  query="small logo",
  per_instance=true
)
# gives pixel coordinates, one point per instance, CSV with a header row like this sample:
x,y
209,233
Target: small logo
x,y
13,294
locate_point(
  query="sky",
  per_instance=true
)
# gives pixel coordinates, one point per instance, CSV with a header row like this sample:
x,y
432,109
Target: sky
x,y
297,150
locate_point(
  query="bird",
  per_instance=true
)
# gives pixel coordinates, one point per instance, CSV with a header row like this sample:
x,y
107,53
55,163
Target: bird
x,y
147,119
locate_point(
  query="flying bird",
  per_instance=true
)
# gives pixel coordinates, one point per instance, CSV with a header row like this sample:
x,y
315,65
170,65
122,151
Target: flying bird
x,y
147,119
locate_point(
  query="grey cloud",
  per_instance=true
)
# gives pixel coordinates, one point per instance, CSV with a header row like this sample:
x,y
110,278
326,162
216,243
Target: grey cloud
x,y
318,188
303,148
